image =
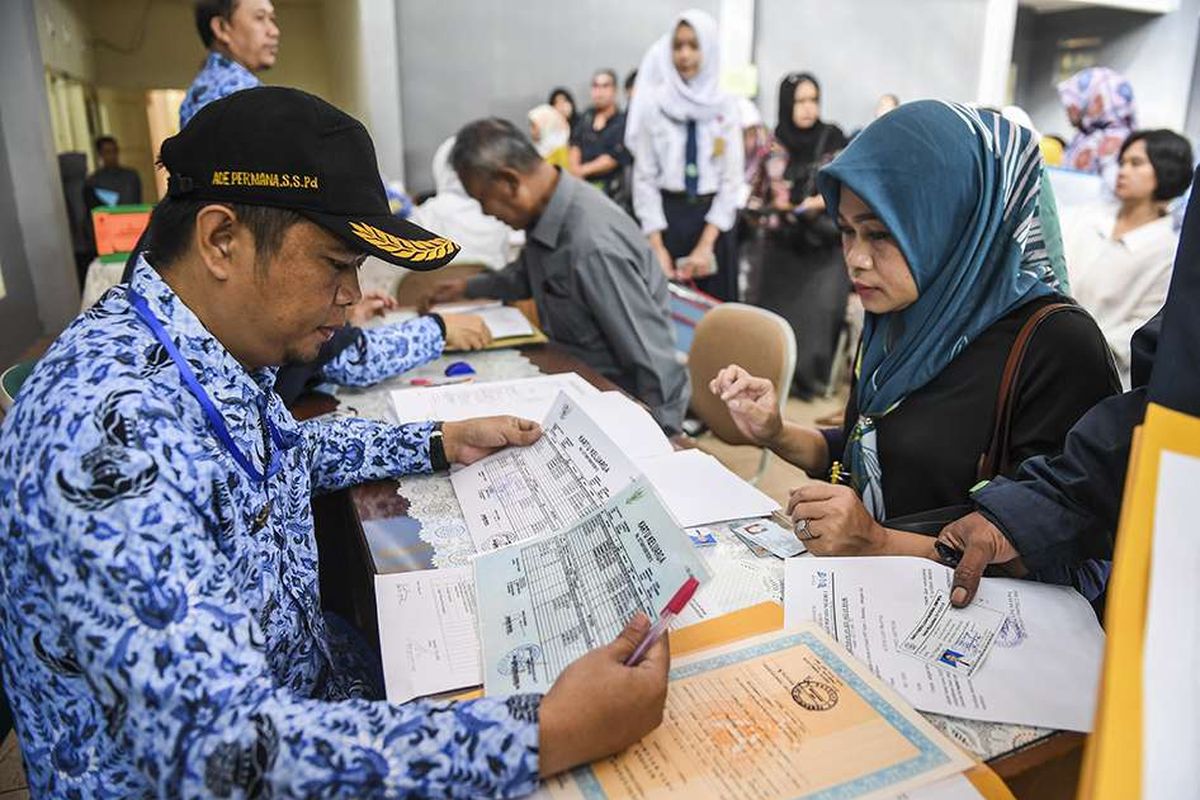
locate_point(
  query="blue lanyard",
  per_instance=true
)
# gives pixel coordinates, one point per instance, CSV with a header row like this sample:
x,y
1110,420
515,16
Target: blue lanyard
x,y
215,420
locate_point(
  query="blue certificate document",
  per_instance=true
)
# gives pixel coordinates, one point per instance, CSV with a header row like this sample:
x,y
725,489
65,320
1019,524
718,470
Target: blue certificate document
x,y
544,602
786,715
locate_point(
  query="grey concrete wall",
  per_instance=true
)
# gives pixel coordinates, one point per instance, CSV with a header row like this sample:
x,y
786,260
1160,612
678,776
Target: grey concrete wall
x,y
1157,53
464,59
860,49
35,248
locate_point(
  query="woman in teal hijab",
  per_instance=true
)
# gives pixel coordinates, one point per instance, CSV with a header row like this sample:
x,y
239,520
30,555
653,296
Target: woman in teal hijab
x,y
940,207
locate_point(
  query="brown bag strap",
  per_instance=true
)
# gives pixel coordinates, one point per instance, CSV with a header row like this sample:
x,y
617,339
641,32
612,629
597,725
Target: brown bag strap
x,y
996,460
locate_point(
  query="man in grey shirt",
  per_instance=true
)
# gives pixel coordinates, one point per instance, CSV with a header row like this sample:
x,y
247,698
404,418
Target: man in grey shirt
x,y
598,289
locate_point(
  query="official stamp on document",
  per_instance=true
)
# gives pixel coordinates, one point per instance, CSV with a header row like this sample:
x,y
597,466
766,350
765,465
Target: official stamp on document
x,y
815,695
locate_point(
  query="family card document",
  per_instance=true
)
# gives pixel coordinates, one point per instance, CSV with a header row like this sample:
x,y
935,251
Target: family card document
x,y
784,715
428,639
546,487
1044,665
546,601
585,454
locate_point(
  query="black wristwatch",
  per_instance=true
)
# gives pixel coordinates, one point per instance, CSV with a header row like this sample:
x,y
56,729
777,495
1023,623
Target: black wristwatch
x,y
437,449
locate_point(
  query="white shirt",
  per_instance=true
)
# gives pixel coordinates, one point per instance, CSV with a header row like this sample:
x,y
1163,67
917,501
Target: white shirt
x,y
659,160
1121,282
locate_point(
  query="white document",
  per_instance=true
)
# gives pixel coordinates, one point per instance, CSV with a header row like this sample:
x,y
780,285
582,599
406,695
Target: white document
x,y
1171,652
546,601
699,490
520,492
628,424
466,306
505,322
956,787
428,632
530,398
1044,666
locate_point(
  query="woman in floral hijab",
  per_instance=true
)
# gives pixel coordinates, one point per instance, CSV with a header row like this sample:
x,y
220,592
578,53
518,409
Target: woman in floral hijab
x,y
1099,102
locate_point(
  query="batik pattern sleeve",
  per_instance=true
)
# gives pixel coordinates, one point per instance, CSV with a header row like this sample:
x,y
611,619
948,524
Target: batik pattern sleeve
x,y
344,451
154,619
221,76
386,351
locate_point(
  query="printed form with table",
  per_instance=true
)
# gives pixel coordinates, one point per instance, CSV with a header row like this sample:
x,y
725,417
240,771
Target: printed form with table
x,y
792,676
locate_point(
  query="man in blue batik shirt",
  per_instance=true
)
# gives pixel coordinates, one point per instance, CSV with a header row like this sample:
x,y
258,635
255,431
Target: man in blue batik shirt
x,y
160,621
242,37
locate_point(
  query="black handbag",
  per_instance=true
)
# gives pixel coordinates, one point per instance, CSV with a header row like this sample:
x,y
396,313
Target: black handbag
x,y
817,233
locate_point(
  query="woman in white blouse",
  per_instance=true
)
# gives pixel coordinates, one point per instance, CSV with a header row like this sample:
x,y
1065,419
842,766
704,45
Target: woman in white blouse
x,y
1119,258
686,142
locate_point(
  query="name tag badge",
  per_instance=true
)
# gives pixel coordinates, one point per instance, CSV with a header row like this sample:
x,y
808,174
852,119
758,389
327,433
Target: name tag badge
x,y
718,147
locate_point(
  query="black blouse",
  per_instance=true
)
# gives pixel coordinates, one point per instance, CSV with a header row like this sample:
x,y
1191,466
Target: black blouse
x,y
930,447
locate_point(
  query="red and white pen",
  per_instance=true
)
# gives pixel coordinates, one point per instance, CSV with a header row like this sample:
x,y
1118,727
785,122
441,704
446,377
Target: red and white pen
x,y
673,609
440,381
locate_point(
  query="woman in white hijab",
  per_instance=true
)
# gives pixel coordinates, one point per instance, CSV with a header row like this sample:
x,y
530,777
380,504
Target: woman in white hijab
x,y
458,216
686,142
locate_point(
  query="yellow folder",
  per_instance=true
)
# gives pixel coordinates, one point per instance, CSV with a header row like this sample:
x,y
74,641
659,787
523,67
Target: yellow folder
x,y
1112,766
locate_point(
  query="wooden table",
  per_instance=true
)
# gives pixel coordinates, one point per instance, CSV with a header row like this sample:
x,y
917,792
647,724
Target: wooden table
x,y
1046,768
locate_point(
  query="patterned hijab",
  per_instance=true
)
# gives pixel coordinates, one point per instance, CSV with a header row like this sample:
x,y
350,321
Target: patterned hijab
x,y
959,189
1104,101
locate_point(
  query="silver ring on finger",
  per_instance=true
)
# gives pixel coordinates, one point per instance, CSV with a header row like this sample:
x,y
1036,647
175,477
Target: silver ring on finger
x,y
802,531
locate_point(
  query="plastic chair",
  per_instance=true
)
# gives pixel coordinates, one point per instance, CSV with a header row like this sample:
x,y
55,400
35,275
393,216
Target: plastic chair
x,y
758,340
10,383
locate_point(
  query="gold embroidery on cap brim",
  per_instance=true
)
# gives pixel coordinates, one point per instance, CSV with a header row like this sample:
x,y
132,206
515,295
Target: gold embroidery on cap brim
x,y
416,250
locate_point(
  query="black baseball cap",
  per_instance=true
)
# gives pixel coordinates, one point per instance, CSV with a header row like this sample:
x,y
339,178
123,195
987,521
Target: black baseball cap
x,y
280,147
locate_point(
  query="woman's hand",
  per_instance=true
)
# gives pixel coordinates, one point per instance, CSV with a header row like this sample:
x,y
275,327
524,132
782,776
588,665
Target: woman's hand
x,y
665,262
752,404
811,207
838,521
701,262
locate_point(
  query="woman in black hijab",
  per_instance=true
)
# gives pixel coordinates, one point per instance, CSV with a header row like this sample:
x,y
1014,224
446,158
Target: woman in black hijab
x,y
802,275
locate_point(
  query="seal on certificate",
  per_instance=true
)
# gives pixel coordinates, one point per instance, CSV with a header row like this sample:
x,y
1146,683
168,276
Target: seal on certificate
x,y
520,662
815,695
